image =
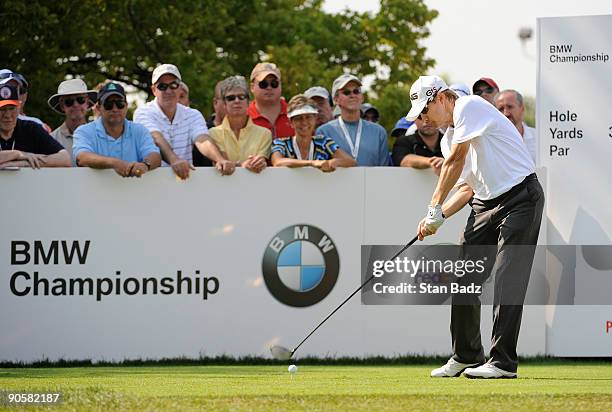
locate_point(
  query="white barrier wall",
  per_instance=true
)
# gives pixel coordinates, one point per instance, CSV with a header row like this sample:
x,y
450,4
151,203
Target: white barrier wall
x,y
220,227
574,103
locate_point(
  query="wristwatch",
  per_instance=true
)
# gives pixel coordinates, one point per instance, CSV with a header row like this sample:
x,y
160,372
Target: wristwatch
x,y
147,163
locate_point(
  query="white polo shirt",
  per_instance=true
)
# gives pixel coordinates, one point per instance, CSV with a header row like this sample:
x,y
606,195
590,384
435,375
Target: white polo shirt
x,y
498,156
530,139
180,133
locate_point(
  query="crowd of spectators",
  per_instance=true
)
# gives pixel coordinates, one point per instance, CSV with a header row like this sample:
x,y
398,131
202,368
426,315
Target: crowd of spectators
x,y
252,126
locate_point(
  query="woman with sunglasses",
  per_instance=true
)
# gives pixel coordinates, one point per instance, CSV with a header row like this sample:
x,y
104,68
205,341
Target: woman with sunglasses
x,y
306,149
238,138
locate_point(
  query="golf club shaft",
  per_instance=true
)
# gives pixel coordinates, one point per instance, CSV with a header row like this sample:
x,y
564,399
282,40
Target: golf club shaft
x,y
351,295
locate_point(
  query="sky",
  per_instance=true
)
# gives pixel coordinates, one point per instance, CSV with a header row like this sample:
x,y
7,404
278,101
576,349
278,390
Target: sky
x,y
475,38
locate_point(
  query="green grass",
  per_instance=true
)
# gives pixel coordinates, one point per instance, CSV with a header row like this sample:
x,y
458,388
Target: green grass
x,y
545,386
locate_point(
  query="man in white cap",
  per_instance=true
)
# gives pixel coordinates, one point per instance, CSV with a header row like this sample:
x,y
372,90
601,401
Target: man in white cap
x,y
176,128
73,100
321,97
365,141
507,200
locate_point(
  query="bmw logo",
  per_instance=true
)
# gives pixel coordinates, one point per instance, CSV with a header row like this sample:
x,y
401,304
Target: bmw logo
x,y
300,265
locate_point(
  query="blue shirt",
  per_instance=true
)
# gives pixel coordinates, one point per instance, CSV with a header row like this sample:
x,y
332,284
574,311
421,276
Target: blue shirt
x,y
133,145
324,148
373,149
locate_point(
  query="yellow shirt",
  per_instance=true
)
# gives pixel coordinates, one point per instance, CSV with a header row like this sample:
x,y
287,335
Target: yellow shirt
x,y
254,140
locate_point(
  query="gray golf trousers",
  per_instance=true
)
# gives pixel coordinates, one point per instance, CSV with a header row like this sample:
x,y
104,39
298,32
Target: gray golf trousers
x,y
500,225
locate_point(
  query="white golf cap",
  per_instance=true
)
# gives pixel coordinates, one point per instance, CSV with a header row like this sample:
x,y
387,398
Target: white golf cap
x,y
422,92
342,81
165,69
305,109
317,91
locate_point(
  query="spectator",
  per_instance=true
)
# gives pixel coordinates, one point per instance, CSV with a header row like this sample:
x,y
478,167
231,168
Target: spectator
x,y
460,89
24,143
370,113
174,127
402,127
183,94
239,139
305,149
19,81
486,88
73,100
321,97
112,141
219,108
510,103
365,141
420,150
268,109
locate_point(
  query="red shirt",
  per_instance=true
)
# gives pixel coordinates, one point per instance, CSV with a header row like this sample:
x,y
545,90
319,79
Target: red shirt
x,y
281,128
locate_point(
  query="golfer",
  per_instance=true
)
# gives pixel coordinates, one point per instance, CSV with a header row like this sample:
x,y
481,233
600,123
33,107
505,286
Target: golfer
x,y
490,166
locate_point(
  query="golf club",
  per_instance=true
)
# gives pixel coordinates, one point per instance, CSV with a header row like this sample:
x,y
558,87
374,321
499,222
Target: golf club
x,y
282,353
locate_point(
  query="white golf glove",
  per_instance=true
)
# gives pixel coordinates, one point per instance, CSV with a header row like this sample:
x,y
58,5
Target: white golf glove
x,y
434,218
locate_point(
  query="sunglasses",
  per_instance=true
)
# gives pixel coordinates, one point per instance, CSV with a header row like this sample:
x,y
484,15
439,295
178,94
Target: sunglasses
x,y
348,92
69,101
108,104
264,84
487,90
426,108
232,97
162,87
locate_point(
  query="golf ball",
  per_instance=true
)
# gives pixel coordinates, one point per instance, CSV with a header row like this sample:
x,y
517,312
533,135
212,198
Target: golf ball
x,y
292,369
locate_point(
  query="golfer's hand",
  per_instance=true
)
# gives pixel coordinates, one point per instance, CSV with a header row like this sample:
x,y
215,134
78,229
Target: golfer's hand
x,y
422,231
182,168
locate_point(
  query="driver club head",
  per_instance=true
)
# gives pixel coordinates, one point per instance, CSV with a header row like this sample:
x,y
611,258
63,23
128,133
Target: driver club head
x,y
280,352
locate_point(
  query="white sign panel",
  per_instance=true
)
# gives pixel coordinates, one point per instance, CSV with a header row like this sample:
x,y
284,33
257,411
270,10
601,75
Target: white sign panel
x,y
574,124
95,266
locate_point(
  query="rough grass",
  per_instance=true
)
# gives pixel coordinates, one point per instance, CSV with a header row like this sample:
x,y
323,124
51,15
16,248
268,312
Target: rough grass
x,y
541,386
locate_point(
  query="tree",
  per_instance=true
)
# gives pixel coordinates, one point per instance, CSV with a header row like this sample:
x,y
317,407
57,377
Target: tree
x,y
210,40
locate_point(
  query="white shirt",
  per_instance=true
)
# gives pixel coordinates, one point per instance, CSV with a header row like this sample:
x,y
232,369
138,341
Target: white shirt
x,y
530,139
180,133
498,157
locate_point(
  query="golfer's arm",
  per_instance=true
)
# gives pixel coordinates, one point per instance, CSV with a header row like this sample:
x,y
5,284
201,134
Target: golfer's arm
x,y
456,202
451,171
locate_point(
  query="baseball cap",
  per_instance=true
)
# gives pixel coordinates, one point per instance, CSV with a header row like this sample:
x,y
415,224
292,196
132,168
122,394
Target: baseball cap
x,y
261,70
367,107
487,80
401,126
165,69
422,92
342,81
109,89
317,91
9,95
305,109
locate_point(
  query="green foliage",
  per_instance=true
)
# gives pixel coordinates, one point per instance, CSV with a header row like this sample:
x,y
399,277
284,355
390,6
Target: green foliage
x,y
530,114
208,40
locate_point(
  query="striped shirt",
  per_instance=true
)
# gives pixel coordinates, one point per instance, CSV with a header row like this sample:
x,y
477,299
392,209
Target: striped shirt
x,y
180,133
324,148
